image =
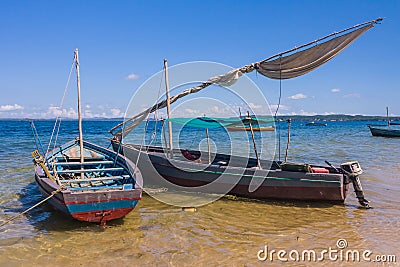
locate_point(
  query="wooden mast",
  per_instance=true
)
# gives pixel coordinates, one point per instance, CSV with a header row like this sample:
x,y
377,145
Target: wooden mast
x,y
254,141
387,116
168,108
208,146
289,121
78,81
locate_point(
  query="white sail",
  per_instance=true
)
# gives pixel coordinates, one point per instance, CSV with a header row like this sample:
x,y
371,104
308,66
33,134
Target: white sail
x,y
285,65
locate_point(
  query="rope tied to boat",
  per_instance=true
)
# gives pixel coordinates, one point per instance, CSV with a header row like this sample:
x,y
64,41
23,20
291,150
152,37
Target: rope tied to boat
x,y
36,205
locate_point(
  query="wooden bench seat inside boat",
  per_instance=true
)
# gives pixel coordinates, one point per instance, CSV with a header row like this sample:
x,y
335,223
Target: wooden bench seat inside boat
x,y
78,159
90,170
108,178
105,162
91,188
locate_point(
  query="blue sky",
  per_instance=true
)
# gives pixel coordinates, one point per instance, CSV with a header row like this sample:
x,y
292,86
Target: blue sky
x,y
123,43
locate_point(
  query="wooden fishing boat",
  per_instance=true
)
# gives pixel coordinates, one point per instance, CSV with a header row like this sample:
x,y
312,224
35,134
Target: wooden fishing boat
x,y
86,181
245,121
245,128
314,123
276,180
108,190
384,130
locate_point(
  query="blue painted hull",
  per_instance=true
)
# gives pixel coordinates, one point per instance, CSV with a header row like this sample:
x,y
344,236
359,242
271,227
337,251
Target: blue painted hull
x,y
92,203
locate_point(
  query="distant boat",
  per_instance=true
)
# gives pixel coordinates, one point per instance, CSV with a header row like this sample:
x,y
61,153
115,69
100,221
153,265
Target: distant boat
x,y
86,181
385,130
313,123
255,129
244,124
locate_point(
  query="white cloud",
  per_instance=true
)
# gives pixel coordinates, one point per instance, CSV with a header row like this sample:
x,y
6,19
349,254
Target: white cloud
x,y
132,76
116,112
306,113
215,110
335,90
281,107
298,96
191,111
11,107
54,111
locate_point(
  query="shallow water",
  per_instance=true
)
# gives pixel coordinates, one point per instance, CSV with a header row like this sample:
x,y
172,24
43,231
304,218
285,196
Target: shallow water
x,y
230,231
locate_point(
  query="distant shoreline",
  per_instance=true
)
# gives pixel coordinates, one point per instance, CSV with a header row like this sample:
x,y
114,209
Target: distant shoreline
x,y
332,117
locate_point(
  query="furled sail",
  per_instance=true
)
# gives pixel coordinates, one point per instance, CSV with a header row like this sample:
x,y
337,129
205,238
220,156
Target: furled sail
x,y
285,65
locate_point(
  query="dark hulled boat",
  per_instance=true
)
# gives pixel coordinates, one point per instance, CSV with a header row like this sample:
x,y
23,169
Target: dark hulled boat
x,y
255,129
276,180
384,131
273,179
315,123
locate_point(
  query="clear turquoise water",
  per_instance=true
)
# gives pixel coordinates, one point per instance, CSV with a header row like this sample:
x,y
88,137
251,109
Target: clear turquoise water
x,y
226,232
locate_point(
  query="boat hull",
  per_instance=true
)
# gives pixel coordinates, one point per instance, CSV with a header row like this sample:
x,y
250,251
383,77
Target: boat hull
x,y
384,132
97,205
272,183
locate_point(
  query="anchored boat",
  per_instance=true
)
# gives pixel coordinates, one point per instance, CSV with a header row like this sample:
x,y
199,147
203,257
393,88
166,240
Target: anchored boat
x,y
244,124
86,181
314,123
385,130
274,179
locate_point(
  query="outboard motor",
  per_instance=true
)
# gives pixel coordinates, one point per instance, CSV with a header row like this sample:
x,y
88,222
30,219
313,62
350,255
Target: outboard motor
x,y
351,171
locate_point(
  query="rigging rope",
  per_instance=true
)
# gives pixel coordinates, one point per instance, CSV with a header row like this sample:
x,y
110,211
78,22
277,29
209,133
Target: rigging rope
x,y
60,107
140,150
34,206
58,130
279,104
154,135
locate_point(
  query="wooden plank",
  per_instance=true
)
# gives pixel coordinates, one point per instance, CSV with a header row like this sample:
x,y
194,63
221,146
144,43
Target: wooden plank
x,y
85,163
90,188
90,170
77,158
95,179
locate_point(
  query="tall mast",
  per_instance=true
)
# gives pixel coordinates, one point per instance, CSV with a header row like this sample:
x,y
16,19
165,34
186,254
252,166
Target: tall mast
x,y
78,81
254,142
387,116
168,106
